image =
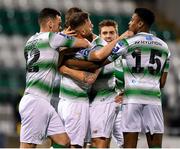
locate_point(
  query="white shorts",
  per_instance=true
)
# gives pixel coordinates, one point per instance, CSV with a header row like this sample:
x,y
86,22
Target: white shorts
x,y
38,119
142,118
102,117
117,129
75,116
88,135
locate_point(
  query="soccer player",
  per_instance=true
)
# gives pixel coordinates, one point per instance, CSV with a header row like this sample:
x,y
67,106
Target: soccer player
x,y
68,14
98,142
38,118
73,107
145,72
108,30
56,87
67,30
104,108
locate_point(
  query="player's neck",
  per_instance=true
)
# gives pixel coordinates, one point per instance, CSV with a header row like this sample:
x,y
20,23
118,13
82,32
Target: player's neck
x,y
90,37
94,36
45,29
144,29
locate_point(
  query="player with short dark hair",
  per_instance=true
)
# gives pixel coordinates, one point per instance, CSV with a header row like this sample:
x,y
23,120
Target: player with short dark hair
x,y
105,89
145,72
38,118
68,14
73,107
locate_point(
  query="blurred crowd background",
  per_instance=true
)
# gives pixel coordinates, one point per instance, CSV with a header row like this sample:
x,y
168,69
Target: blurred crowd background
x,y
18,21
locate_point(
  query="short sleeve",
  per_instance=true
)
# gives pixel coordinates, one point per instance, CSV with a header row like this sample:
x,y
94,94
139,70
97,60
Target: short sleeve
x,y
119,49
167,63
59,39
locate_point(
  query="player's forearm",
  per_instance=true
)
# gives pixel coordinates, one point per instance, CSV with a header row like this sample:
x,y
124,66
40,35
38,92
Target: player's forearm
x,y
71,73
163,79
89,77
81,64
101,54
81,43
79,75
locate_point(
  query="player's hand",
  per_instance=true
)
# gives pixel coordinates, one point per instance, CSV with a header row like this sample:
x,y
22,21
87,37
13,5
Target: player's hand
x,y
69,32
127,34
62,69
119,98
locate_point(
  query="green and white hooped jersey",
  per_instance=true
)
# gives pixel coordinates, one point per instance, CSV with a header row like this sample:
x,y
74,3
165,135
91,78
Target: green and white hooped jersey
x,y
96,44
119,75
147,57
41,53
75,90
104,86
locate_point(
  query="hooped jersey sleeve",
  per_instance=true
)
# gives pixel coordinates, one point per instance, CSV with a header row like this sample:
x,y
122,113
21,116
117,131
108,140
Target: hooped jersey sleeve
x,y
119,49
167,63
96,44
59,39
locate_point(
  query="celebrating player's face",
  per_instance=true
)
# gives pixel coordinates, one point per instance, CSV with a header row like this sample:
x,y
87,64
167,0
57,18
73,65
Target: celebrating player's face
x,y
87,28
133,24
108,33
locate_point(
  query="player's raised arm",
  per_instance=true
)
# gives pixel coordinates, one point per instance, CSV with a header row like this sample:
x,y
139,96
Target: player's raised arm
x,y
101,54
59,39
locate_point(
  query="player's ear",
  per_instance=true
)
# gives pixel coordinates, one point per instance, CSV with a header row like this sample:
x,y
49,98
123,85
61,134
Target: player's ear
x,y
83,32
50,24
140,24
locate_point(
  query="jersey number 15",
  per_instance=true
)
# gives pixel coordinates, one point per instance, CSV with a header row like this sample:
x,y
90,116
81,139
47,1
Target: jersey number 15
x,y
153,60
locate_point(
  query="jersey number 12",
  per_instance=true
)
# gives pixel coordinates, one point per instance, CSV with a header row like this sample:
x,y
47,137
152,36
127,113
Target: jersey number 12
x,y
30,67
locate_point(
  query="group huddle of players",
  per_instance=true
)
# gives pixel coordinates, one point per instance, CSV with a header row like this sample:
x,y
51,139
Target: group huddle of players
x,y
107,85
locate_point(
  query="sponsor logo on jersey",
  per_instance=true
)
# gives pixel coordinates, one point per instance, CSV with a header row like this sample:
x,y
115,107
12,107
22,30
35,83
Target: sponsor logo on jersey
x,y
118,46
148,42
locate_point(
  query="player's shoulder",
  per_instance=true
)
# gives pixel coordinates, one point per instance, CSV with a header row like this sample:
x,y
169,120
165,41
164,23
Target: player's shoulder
x,y
32,39
146,38
59,35
140,36
162,44
39,36
37,39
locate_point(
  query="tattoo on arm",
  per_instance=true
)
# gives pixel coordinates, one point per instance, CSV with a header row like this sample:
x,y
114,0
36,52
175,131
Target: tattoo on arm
x,y
89,77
